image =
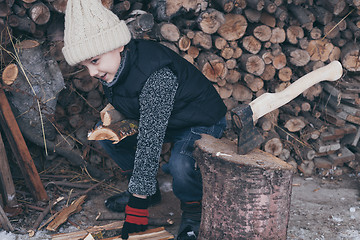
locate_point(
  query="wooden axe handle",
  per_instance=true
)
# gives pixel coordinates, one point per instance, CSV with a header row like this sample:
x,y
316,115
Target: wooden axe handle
x,y
271,101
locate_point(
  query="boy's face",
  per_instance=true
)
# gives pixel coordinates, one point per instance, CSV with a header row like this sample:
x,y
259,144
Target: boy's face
x,y
105,65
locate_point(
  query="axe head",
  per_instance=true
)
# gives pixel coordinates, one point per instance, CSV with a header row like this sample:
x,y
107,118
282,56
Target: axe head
x,y
249,136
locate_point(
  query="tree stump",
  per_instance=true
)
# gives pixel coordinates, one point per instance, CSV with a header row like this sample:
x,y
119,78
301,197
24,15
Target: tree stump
x,y
245,196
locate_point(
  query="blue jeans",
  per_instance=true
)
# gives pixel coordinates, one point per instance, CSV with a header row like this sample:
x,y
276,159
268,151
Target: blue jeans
x,y
187,181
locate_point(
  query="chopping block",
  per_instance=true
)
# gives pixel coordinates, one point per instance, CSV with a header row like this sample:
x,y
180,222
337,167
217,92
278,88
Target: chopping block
x,y
244,196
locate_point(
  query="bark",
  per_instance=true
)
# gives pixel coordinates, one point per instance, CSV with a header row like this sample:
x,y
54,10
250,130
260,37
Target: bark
x,y
260,182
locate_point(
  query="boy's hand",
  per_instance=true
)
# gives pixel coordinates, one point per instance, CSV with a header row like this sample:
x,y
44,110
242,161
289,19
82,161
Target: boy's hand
x,y
136,216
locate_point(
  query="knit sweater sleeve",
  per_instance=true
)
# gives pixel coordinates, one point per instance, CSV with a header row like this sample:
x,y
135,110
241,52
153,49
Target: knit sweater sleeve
x,y
156,103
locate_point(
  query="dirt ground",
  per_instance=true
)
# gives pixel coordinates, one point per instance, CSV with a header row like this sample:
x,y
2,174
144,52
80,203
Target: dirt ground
x,y
321,208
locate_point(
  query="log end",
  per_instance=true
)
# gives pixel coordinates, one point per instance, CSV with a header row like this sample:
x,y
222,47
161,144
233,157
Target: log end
x,y
226,150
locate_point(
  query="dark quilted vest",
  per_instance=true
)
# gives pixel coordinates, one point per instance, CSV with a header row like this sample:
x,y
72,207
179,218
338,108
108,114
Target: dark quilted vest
x,y
196,100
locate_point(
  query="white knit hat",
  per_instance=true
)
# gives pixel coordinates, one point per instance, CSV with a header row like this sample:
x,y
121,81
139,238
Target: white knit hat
x,y
91,30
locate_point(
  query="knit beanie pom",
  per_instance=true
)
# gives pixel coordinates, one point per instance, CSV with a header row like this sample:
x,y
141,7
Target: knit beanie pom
x,y
91,30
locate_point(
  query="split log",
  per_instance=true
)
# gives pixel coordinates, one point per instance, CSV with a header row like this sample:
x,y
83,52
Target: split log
x,y
260,182
80,234
59,5
114,132
39,13
156,234
121,216
212,66
109,115
61,216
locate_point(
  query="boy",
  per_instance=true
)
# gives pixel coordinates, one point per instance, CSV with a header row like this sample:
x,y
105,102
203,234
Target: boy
x,y
172,100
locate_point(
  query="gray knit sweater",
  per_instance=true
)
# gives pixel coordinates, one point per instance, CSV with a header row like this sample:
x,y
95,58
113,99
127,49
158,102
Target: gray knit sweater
x,y
156,103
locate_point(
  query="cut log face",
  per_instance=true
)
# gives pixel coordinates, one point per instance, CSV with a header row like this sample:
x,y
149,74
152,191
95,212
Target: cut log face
x,y
114,132
210,20
249,194
234,27
10,74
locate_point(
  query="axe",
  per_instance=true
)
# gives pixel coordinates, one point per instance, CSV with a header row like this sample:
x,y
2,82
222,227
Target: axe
x,y
244,116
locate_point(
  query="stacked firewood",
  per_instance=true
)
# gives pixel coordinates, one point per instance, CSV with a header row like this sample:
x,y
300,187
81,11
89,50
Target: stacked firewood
x,y
245,48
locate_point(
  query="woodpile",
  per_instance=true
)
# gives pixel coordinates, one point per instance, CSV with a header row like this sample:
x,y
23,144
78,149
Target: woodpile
x,y
244,47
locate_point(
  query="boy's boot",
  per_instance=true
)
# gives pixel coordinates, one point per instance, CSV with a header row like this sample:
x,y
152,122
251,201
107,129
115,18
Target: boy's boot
x,y
118,202
190,221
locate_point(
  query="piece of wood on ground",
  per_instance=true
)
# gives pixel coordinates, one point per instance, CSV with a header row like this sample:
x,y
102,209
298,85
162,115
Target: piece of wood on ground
x,y
151,234
5,223
6,180
155,234
245,196
64,214
121,216
20,150
82,233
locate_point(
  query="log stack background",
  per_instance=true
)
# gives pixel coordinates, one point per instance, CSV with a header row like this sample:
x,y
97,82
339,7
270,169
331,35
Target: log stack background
x,y
244,47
